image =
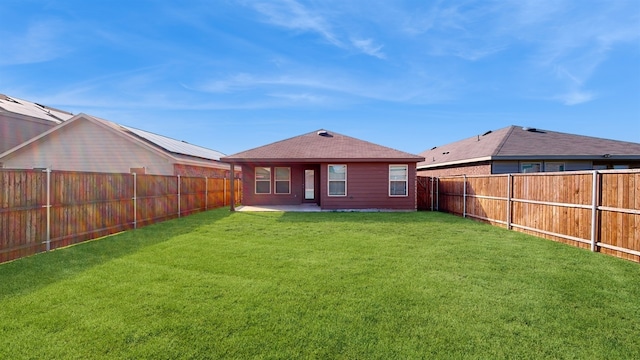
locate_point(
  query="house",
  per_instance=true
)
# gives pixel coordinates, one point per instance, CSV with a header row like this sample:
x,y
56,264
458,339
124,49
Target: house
x,y
517,149
21,120
87,143
334,171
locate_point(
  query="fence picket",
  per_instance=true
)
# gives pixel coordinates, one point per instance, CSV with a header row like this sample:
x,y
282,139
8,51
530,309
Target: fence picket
x,y
44,210
599,210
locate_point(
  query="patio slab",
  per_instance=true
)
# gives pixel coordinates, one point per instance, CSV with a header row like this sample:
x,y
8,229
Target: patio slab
x,y
287,208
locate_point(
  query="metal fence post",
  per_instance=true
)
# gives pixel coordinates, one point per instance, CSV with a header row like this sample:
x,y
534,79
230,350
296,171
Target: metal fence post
x,y
135,200
464,197
437,194
509,195
48,231
224,192
178,195
594,210
206,193
431,180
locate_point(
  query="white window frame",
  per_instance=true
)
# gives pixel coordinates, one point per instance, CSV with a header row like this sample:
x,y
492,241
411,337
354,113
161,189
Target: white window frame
x,y
554,164
529,165
329,180
255,176
276,180
405,180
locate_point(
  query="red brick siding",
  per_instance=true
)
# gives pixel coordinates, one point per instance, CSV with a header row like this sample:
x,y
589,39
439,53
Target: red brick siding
x,y
199,171
477,169
368,188
296,187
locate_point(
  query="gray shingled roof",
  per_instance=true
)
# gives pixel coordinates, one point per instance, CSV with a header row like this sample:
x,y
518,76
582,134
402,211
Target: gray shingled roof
x,y
321,145
521,143
28,108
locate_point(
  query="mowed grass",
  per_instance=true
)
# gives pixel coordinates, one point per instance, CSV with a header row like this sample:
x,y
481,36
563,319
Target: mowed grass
x,y
320,285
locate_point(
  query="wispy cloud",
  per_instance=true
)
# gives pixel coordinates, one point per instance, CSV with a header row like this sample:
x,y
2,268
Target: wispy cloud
x,y
292,15
329,25
368,47
575,97
40,42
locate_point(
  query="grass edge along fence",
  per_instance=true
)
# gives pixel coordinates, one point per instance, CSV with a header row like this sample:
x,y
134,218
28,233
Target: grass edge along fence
x,y
597,210
41,210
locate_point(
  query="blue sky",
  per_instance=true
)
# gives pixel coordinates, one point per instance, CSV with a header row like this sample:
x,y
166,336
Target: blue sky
x,y
233,75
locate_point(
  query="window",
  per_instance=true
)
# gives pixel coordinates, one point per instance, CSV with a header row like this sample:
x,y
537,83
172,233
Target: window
x,y
263,180
553,166
337,180
398,175
283,180
530,167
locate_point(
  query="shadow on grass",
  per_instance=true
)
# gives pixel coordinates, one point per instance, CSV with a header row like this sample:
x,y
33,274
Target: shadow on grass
x,y
426,217
27,274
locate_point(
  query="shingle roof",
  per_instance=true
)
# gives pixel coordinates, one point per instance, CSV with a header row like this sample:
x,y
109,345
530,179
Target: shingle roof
x,y
28,108
516,142
321,145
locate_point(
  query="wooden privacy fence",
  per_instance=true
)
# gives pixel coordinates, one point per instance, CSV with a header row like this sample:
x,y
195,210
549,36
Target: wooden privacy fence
x,y
44,210
598,210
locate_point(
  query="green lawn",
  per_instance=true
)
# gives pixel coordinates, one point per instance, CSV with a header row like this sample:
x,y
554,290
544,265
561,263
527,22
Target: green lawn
x,y
320,285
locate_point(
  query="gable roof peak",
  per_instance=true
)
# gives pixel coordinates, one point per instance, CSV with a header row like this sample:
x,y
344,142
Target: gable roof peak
x,y
321,144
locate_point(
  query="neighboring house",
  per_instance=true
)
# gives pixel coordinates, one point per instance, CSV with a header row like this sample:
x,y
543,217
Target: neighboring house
x,y
21,120
87,143
334,171
517,149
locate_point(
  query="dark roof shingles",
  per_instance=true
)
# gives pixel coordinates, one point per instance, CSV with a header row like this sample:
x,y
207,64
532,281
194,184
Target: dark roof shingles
x,y
313,146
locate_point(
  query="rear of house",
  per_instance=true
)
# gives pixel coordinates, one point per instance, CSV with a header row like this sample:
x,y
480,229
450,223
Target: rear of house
x,y
334,171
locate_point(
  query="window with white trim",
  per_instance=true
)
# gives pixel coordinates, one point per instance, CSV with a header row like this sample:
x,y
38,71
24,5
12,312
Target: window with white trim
x,y
398,179
337,180
263,180
283,180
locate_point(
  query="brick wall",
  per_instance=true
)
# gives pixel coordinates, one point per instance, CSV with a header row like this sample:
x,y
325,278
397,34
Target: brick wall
x,y
199,171
483,168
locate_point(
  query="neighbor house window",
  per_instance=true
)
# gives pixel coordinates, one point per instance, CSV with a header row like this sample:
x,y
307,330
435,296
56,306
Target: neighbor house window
x,y
263,180
398,176
337,180
283,180
553,166
530,167
620,166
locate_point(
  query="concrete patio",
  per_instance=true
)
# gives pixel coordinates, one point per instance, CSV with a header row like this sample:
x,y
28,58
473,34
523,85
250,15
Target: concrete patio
x,y
287,208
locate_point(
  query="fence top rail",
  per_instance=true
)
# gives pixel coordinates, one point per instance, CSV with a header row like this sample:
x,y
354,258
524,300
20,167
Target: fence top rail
x,y
555,173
